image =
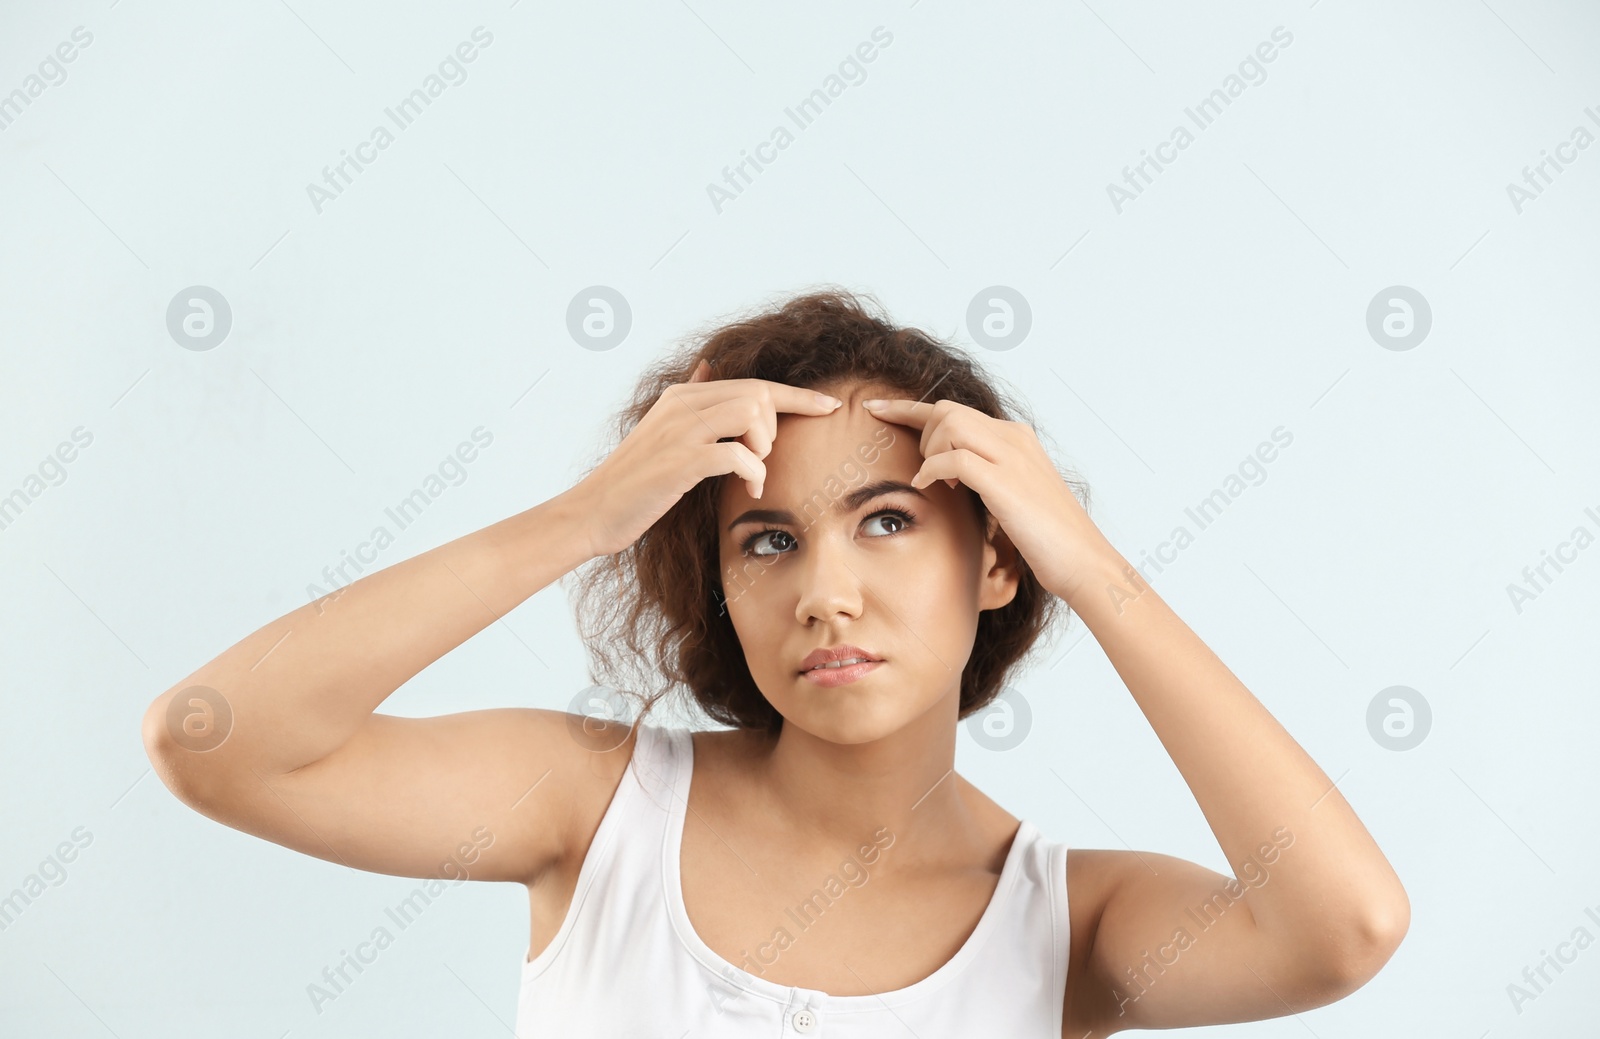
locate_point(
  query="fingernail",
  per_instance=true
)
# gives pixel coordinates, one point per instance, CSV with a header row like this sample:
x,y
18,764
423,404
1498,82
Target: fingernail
x,y
827,401
872,405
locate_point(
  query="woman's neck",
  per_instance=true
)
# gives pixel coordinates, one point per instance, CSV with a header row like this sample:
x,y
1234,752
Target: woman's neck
x,y
901,788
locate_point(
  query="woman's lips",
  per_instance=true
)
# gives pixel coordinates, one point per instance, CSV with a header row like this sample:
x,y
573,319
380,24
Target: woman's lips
x,y
828,677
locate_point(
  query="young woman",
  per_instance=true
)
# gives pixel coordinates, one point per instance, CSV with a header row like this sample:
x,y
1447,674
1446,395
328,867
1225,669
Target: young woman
x,y
830,533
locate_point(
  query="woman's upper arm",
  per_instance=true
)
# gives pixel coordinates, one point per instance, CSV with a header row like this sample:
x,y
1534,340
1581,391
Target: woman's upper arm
x,y
1168,943
480,795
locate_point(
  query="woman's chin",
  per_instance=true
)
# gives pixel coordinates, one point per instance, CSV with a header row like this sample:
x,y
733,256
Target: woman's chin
x,y
848,720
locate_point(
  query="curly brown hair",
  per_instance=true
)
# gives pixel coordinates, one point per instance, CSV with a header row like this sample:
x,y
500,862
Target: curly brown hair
x,y
653,616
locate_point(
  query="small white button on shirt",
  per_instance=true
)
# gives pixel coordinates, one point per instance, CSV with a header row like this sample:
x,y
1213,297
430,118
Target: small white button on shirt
x,y
804,1021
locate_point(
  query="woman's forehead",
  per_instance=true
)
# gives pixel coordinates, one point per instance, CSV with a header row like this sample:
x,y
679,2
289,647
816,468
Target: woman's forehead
x,y
813,453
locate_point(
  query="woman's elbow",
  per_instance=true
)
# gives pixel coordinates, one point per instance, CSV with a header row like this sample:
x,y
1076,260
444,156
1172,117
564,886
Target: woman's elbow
x,y
1367,944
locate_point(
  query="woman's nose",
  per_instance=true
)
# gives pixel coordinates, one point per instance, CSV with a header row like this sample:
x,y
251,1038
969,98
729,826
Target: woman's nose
x,y
829,585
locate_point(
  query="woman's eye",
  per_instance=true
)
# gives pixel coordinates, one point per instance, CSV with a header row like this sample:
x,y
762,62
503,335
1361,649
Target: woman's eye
x,y
897,520
756,540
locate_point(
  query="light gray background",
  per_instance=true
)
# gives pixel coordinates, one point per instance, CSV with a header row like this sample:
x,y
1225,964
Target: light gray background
x,y
1167,341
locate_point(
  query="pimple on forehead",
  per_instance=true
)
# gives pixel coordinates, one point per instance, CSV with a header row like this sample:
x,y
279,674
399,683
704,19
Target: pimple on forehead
x,y
851,414
813,455
856,392
819,444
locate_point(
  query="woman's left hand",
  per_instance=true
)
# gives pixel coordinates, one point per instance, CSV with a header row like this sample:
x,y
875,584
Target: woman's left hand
x,y
1009,469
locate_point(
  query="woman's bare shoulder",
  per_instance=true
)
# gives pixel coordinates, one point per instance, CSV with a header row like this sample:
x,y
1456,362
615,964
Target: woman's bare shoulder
x,y
590,782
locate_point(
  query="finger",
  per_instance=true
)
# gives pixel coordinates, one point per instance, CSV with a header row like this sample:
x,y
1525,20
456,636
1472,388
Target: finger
x,y
782,396
963,427
733,457
793,399
936,439
936,423
960,464
902,412
743,418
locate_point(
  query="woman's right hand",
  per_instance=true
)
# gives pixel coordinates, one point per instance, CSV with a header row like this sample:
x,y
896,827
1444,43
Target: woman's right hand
x,y
676,445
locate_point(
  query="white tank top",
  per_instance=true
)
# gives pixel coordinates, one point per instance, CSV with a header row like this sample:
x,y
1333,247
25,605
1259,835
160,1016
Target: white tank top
x,y
626,961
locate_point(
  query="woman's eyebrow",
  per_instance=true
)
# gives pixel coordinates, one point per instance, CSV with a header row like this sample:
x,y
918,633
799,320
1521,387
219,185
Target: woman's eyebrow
x,y
848,503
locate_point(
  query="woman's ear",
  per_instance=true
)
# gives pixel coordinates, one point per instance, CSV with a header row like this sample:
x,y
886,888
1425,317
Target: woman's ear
x,y
1001,570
